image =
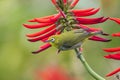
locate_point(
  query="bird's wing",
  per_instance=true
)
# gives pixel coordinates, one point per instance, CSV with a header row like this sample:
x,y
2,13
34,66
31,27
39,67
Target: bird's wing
x,y
65,46
79,31
76,45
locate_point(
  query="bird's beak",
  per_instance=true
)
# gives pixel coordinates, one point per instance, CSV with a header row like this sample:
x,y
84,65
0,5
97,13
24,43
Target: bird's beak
x,y
48,41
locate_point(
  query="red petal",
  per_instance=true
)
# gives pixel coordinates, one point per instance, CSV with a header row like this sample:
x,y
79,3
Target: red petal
x,y
46,17
117,20
41,25
45,39
32,20
86,13
112,49
113,72
116,34
42,32
82,10
96,38
42,48
48,20
74,3
62,13
89,29
54,2
65,1
52,32
53,73
90,20
115,56
44,20
57,33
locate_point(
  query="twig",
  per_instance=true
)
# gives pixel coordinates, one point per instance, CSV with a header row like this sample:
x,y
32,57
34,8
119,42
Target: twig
x,y
87,67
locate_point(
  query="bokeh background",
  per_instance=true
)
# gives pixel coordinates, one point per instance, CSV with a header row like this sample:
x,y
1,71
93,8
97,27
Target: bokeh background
x,y
16,60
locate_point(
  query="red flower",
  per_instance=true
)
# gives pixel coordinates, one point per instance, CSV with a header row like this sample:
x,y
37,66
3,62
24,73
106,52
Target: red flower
x,y
112,49
113,72
66,19
115,56
116,34
117,20
96,38
52,73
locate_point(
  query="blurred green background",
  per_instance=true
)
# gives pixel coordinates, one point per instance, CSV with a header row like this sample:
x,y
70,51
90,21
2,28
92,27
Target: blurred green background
x,y
16,60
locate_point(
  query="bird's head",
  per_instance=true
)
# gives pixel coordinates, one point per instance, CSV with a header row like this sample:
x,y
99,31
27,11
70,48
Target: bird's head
x,y
52,39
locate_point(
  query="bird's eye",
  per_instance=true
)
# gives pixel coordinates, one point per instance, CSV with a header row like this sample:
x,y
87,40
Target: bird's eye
x,y
52,39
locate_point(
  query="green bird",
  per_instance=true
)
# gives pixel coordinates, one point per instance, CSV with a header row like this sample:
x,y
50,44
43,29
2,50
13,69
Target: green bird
x,y
70,40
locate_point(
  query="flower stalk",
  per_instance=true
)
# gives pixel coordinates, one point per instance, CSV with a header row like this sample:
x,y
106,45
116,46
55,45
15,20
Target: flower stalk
x,y
87,67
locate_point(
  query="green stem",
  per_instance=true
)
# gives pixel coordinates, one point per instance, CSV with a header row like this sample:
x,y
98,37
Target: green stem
x,y
88,68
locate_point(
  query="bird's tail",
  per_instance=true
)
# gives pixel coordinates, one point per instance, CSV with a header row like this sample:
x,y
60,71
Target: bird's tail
x,y
97,32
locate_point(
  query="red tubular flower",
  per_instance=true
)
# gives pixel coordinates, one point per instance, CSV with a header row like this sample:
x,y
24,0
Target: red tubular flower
x,y
112,49
48,20
115,56
46,17
85,12
96,38
65,1
116,34
66,19
50,33
43,47
74,3
91,20
54,2
117,20
40,25
52,73
42,32
89,29
113,72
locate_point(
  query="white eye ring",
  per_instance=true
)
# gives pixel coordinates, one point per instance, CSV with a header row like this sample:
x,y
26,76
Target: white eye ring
x,y
52,39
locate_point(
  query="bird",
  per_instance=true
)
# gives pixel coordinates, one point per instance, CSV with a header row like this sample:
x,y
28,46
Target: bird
x,y
71,39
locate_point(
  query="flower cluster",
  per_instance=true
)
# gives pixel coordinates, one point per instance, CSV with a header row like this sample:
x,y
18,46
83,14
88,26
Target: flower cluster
x,y
115,50
66,19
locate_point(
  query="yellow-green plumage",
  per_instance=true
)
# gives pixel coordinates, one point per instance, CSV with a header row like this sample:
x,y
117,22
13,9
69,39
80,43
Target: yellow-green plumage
x,y
70,40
